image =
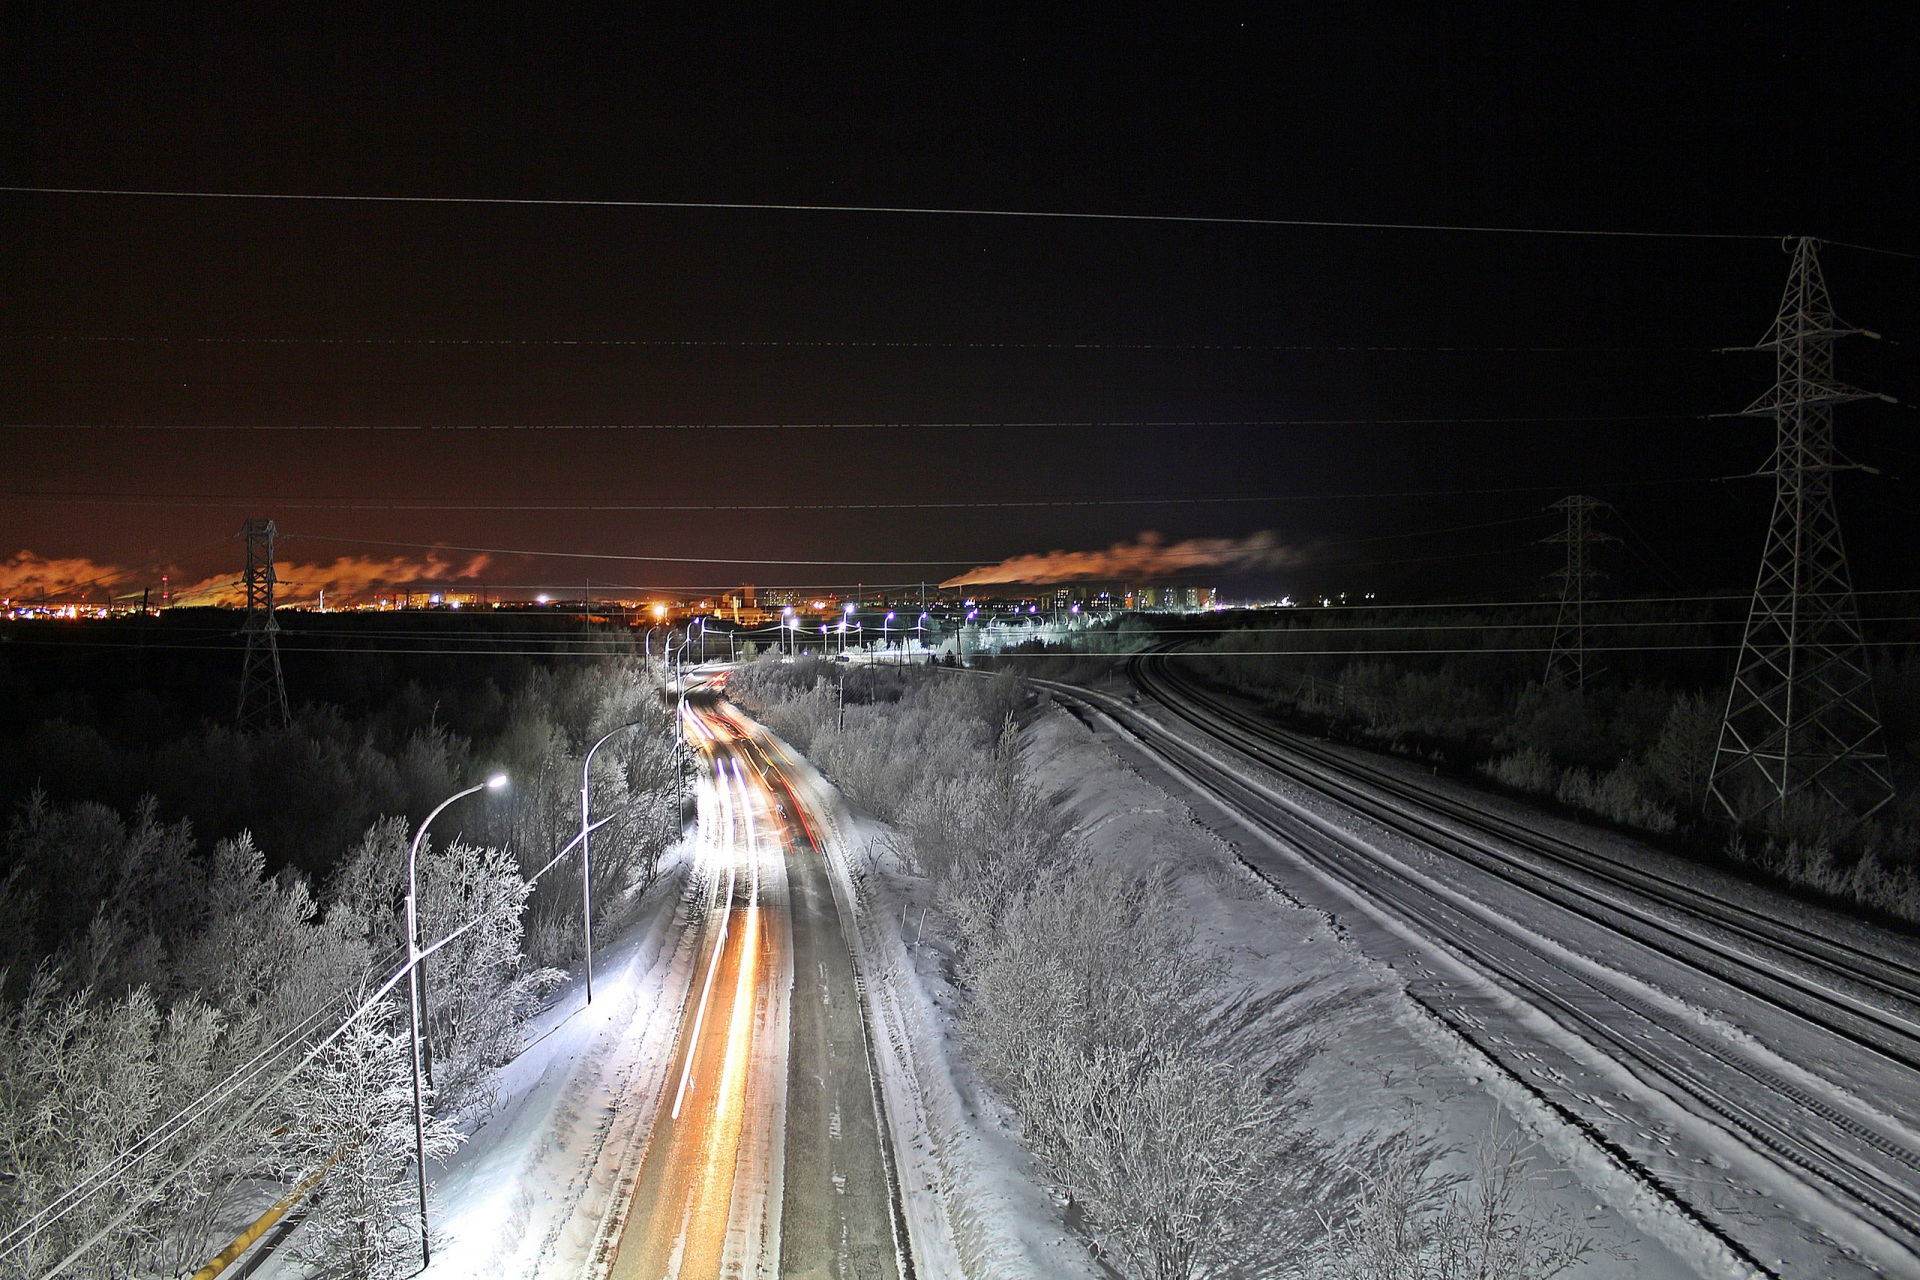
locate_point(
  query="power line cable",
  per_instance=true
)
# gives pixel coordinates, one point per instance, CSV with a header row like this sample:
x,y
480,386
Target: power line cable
x,y
742,206
305,502
1003,425
854,344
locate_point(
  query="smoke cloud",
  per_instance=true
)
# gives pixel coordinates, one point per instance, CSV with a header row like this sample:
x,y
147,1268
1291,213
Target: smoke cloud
x,y
344,579
1148,556
25,575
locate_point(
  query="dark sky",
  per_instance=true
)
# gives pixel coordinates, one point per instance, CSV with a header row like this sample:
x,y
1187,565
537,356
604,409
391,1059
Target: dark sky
x,y
1591,360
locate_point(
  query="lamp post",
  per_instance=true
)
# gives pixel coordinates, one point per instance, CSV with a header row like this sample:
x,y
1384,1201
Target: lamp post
x,y
679,714
884,623
921,627
586,855
417,995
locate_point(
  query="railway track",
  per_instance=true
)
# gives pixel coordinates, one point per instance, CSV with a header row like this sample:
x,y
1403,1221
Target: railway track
x,y
1677,1026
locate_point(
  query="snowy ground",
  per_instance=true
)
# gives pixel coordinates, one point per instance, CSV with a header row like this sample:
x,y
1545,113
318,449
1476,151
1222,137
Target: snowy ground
x,y
526,1194
529,1191
1379,1061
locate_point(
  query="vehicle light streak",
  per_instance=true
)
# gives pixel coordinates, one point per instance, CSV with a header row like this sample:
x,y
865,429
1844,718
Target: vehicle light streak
x,y
706,991
732,1093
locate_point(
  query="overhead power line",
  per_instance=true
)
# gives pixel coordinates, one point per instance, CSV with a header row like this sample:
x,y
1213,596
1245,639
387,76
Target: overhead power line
x,y
1004,425
845,343
745,206
323,503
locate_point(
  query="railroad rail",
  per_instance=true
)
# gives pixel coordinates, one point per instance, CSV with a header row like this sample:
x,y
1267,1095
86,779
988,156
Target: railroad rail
x,y
1643,983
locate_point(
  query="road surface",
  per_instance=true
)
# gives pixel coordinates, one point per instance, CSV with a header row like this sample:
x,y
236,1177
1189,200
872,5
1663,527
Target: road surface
x,y
769,1153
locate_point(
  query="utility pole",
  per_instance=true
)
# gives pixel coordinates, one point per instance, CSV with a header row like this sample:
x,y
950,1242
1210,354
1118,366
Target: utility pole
x,y
1567,659
1801,718
263,689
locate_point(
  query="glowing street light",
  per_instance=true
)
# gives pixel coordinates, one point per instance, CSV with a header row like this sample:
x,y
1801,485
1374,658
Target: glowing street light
x,y
417,993
586,854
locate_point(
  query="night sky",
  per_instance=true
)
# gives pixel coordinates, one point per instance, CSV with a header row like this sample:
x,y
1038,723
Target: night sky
x,y
1394,407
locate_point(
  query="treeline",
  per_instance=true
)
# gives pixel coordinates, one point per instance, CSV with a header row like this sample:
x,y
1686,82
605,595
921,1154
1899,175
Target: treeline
x,y
1635,746
1115,1035
147,973
384,718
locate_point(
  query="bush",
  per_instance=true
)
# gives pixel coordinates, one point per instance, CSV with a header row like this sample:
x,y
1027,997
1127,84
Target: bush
x,y
1085,1009
1528,769
1681,758
1619,795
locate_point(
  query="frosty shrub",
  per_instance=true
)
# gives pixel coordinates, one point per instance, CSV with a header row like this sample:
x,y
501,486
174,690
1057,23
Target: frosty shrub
x,y
802,718
81,1081
887,753
1617,794
1867,878
1412,1220
265,958
1528,769
480,988
348,1121
983,835
1085,1011
1681,758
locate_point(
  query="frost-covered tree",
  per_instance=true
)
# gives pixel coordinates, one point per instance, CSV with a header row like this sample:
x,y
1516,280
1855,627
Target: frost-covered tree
x,y
481,987
265,957
1088,1009
348,1121
81,1082
1412,1218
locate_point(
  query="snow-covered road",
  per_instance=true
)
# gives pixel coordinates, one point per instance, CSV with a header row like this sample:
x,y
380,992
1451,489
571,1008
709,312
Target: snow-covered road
x,y
1737,1072
767,1155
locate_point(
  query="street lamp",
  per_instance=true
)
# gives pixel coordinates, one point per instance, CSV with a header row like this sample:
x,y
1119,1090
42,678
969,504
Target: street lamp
x,y
586,856
884,622
417,993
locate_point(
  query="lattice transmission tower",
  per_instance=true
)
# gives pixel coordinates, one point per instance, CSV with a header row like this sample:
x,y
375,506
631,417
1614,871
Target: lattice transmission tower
x,y
1567,659
263,690
1801,718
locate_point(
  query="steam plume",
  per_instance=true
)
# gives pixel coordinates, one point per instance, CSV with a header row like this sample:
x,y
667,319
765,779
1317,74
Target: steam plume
x,y
1148,556
345,578
26,575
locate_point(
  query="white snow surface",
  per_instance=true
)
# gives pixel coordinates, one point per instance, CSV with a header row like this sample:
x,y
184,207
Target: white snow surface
x,y
529,1193
977,1204
1378,1060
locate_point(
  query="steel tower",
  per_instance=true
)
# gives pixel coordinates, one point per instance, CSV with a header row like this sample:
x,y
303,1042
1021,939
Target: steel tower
x,y
263,690
1801,718
1567,660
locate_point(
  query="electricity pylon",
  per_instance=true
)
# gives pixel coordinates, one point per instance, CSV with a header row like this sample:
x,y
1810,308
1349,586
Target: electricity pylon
x,y
263,690
1800,716
1567,659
